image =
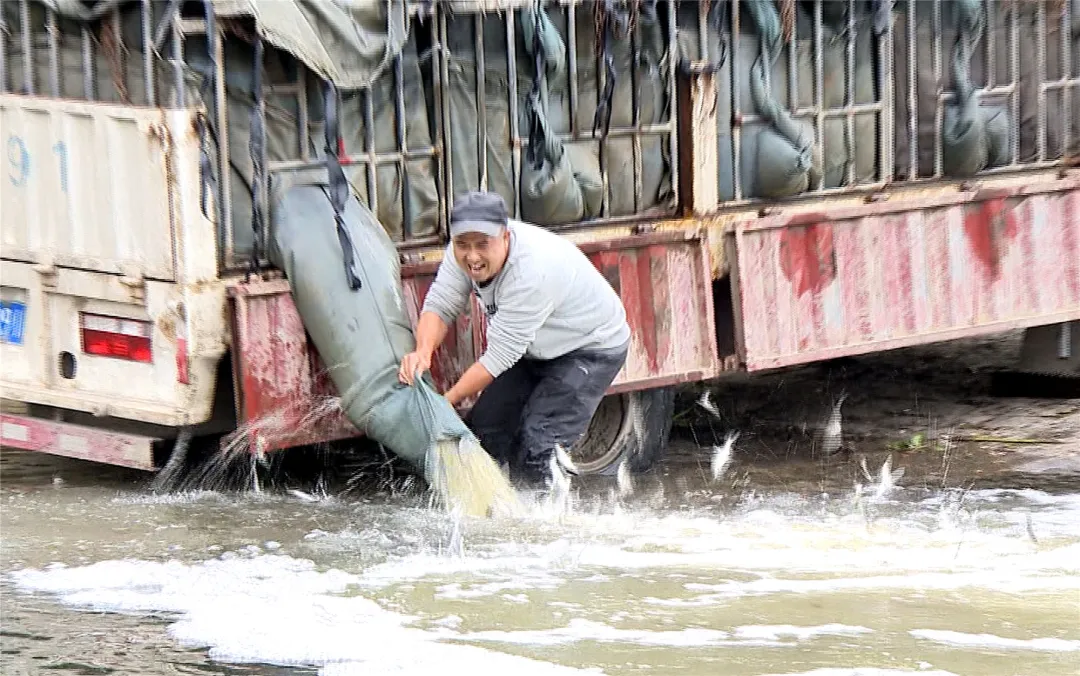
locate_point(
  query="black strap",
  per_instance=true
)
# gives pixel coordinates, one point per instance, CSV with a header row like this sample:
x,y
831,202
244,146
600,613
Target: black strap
x,y
208,183
614,17
534,150
338,186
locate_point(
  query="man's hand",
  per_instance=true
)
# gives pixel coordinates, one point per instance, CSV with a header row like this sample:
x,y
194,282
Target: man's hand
x,y
413,365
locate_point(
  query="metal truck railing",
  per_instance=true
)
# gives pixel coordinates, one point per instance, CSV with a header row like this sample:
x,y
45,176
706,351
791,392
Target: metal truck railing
x,y
569,108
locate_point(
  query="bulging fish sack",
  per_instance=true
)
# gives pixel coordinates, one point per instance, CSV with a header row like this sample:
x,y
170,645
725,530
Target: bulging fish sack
x,y
363,334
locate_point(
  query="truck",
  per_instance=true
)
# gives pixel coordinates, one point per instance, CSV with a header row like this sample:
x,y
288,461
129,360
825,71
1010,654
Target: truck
x,y
766,183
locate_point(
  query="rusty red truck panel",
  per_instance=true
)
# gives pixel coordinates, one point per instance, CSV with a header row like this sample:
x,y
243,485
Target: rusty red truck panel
x,y
285,399
881,276
282,390
77,441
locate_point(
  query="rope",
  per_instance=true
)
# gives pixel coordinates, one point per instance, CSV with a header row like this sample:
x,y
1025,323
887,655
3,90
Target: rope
x,y
787,19
109,41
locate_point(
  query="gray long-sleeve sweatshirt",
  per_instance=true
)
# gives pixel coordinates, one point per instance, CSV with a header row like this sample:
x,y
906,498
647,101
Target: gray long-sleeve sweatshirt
x,y
547,300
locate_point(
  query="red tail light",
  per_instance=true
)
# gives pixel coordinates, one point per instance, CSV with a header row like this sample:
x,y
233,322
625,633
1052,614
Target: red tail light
x,y
116,337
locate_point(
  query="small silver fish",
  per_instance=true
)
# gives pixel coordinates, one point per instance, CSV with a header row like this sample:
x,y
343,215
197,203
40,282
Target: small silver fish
x,y
624,480
832,436
306,497
456,546
559,496
722,455
706,403
887,478
563,458
885,481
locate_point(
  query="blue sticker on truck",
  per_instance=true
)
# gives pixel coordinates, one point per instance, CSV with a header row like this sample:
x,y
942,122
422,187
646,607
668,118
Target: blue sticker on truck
x,y
12,322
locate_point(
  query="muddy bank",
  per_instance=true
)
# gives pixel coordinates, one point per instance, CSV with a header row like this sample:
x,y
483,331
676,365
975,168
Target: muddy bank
x,y
931,408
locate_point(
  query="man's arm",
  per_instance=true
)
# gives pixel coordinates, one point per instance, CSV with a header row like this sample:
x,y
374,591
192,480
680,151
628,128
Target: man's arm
x,y
522,311
445,300
448,292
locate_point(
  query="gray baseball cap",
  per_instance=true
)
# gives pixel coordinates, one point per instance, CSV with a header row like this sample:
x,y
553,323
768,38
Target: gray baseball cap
x,y
478,211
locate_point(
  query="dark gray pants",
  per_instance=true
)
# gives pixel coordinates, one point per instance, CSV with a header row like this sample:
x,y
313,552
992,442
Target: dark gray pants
x,y
536,404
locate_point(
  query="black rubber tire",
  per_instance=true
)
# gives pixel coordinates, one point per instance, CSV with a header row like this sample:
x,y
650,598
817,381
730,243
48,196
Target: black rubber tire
x,y
611,436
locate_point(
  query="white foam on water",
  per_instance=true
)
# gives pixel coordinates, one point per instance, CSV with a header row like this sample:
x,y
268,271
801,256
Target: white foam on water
x,y
863,671
585,630
270,609
259,607
960,639
776,632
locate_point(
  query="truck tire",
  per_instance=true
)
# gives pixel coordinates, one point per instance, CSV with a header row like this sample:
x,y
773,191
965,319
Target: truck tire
x,y
611,435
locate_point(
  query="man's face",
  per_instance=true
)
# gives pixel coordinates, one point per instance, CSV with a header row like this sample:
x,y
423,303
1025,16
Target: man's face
x,y
481,256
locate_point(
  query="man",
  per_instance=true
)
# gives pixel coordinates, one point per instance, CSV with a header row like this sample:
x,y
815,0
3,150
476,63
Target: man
x,y
556,336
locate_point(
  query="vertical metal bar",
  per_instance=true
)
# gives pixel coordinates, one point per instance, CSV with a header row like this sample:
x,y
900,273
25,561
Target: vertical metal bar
x,y
447,149
149,74
257,148
302,111
89,81
601,81
1040,65
849,96
938,104
224,156
403,149
1066,77
27,51
52,31
991,44
481,101
635,105
736,112
673,74
793,67
887,116
178,64
703,31
913,92
4,28
515,141
819,87
438,156
1014,80
571,28
372,155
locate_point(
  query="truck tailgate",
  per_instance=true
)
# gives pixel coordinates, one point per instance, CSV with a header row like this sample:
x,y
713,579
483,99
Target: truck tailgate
x,y
87,187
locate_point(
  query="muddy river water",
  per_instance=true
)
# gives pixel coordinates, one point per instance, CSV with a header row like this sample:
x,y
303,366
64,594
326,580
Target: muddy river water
x,y
792,565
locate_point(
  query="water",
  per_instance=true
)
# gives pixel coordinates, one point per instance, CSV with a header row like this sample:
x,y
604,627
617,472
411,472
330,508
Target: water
x,y
778,568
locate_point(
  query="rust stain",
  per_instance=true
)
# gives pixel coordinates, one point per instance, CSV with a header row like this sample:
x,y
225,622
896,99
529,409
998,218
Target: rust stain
x,y
807,257
990,227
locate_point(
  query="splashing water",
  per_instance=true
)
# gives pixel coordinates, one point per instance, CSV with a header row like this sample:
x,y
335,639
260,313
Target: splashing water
x,y
463,477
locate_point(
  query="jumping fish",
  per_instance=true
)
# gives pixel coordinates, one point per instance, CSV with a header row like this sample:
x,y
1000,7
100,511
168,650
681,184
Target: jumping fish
x,y
722,455
624,480
832,437
706,403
